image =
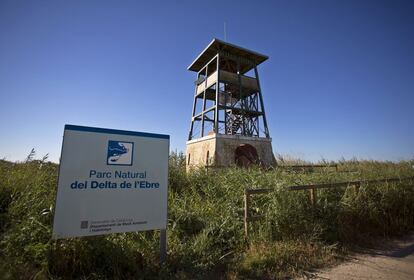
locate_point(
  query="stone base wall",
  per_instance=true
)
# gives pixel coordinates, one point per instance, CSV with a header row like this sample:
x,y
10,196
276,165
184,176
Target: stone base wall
x,y
201,152
219,150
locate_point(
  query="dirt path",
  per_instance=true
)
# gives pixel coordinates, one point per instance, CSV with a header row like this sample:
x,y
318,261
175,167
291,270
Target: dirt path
x,y
394,260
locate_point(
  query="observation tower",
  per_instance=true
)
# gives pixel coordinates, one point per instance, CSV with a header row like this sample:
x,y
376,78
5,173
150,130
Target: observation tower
x,y
228,123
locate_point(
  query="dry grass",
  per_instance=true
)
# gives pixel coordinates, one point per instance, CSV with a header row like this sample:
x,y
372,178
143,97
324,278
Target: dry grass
x,y
205,227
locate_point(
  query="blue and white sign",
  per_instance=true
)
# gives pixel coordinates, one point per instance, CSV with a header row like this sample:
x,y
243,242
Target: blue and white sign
x,y
111,181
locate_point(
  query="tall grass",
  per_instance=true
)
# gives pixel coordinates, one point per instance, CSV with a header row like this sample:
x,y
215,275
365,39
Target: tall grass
x,y
205,225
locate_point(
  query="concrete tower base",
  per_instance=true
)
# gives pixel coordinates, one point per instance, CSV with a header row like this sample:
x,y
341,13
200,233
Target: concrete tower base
x,y
220,150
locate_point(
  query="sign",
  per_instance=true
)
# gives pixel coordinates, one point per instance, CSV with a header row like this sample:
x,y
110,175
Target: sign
x,y
111,181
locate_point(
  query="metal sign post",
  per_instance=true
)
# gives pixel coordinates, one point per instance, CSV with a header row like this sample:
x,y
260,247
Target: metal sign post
x,y
163,246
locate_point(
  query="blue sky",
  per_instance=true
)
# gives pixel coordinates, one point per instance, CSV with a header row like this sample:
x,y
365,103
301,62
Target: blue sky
x,y
339,81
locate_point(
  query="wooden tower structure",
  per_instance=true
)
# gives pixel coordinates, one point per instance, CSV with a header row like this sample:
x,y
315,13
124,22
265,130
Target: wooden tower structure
x,y
228,124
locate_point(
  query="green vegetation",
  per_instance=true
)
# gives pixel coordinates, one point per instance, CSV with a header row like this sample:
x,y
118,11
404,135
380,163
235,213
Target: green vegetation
x,y
205,232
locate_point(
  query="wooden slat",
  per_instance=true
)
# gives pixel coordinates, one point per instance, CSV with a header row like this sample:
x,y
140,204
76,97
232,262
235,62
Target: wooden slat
x,y
345,184
257,191
308,166
313,196
246,213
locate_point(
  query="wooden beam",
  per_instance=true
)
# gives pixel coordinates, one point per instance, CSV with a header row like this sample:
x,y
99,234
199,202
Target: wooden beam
x,y
312,195
346,184
246,213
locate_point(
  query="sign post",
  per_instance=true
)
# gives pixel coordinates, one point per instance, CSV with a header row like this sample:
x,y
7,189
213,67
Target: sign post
x,y
163,246
112,181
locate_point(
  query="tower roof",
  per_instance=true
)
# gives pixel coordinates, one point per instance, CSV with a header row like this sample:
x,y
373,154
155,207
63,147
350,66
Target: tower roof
x,y
217,45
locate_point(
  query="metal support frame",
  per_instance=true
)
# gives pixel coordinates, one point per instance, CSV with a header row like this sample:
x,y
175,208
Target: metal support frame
x,y
242,107
261,102
190,133
204,102
243,120
216,112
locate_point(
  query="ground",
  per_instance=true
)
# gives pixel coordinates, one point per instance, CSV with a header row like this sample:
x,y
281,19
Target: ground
x,y
393,259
